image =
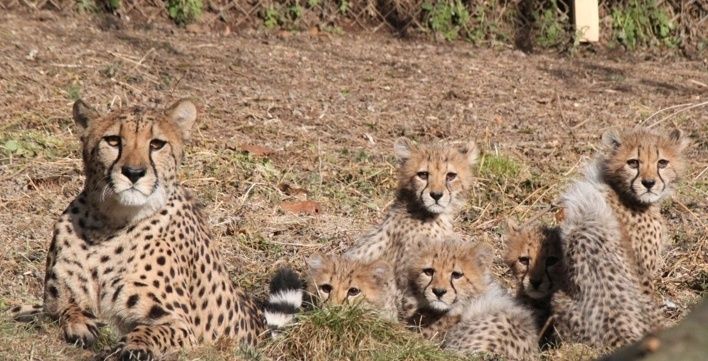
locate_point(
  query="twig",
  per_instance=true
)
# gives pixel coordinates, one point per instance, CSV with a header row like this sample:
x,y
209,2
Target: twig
x,y
700,174
702,242
71,65
245,195
560,110
581,123
680,111
548,324
663,110
140,62
297,244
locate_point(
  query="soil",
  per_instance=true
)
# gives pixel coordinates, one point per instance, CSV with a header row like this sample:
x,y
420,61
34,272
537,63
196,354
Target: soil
x,y
326,108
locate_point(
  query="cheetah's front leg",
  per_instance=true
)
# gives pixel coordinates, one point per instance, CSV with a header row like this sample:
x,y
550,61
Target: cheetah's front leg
x,y
150,342
67,292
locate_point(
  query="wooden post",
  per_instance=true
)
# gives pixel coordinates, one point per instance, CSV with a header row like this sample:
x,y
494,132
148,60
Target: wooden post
x,y
587,20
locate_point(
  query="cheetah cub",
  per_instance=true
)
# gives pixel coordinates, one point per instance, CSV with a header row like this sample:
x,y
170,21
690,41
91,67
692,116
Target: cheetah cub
x,y
338,280
637,169
534,254
431,182
460,304
133,247
600,303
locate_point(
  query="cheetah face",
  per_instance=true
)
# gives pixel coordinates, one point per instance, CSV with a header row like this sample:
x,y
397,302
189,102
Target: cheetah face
x,y
448,273
338,280
643,164
433,176
534,258
131,155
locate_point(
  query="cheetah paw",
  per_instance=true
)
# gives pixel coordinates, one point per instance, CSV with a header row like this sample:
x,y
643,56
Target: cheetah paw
x,y
136,355
81,334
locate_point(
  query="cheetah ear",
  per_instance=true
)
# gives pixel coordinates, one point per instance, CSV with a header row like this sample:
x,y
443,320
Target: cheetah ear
x,y
403,148
83,114
469,150
316,263
511,226
183,114
611,138
480,254
380,271
677,137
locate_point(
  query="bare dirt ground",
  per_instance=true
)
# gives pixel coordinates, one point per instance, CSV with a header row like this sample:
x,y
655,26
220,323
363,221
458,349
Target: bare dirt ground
x,y
329,106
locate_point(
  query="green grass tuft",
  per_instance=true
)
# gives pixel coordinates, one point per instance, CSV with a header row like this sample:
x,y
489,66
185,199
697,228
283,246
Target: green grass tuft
x,y
352,333
30,144
498,166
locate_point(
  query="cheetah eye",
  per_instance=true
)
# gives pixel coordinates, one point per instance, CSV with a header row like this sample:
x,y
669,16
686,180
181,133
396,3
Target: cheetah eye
x,y
112,140
353,292
457,275
550,261
633,163
422,175
326,288
524,260
451,176
157,144
429,272
663,163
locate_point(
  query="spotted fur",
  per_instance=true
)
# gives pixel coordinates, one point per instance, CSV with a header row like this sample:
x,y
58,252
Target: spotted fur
x,y
534,256
601,303
337,280
460,304
639,168
133,248
431,181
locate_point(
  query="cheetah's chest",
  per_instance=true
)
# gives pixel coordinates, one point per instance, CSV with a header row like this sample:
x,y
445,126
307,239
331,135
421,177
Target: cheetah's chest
x,y
112,272
409,235
642,234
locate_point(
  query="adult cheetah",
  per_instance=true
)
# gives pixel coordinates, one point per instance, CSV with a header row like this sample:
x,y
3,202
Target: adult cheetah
x,y
431,181
134,249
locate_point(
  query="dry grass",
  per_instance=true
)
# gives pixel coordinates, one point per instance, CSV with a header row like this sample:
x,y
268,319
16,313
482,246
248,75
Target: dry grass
x,y
330,107
351,333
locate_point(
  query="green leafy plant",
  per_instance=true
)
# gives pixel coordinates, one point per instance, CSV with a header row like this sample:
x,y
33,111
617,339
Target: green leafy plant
x,y
271,17
642,22
448,18
184,11
343,6
486,23
551,27
31,144
113,5
85,6
295,12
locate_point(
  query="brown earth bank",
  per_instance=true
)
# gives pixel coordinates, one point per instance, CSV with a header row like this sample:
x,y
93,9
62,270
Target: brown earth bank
x,y
320,113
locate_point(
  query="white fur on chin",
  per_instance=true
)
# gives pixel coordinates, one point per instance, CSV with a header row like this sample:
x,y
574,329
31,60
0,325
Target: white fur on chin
x,y
131,205
648,197
439,305
131,198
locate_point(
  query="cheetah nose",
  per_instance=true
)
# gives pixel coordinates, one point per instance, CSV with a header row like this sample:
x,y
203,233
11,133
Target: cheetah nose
x,y
648,183
439,292
436,195
133,173
535,283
